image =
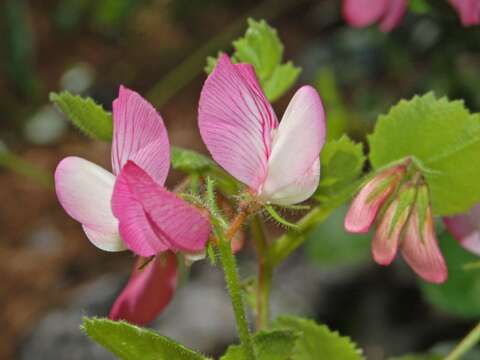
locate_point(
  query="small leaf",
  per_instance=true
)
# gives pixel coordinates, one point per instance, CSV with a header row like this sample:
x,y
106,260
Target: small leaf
x,y
189,160
460,293
443,139
85,114
262,48
269,345
341,162
318,341
130,342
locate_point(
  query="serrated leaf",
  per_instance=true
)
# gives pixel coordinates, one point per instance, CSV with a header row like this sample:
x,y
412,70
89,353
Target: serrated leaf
x,y
318,341
269,345
262,48
85,114
444,140
130,342
460,293
341,162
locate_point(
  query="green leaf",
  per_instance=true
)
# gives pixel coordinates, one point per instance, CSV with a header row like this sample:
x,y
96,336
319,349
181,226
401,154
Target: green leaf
x,y
189,161
341,162
130,342
85,114
460,293
269,345
262,48
318,341
419,6
443,139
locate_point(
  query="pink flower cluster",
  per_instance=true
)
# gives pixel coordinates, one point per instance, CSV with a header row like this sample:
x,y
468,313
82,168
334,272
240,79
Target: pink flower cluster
x,y
131,209
389,13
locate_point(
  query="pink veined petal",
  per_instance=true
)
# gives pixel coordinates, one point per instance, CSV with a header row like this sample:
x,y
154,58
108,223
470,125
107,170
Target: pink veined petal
x,y
148,291
422,253
364,208
145,208
84,189
139,134
468,10
236,121
385,240
296,148
466,229
361,13
393,14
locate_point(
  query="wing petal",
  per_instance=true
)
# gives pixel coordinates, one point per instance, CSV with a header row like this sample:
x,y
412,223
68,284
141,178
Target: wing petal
x,y
139,134
236,121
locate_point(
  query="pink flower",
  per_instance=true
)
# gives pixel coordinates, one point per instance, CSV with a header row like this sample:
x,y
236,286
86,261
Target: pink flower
x,y
468,10
362,13
130,208
466,229
278,162
369,200
148,291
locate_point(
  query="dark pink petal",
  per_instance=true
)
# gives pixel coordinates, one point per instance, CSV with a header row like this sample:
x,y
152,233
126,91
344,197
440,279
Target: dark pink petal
x,y
236,121
386,239
393,14
84,189
466,229
139,134
148,291
365,206
293,166
468,10
153,219
422,252
361,13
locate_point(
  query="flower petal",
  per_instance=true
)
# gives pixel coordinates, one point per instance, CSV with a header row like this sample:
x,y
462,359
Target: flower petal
x,y
139,134
385,240
296,149
148,291
466,229
152,218
468,10
85,190
393,14
360,13
368,201
236,121
422,252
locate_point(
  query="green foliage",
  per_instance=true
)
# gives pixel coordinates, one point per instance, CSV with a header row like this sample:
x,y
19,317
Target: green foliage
x,y
341,162
329,244
261,47
189,161
443,139
269,345
418,357
318,341
419,6
85,114
130,342
460,294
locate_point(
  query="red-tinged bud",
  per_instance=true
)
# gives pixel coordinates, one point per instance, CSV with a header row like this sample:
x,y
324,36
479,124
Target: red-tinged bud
x,y
148,291
465,228
387,236
371,197
420,247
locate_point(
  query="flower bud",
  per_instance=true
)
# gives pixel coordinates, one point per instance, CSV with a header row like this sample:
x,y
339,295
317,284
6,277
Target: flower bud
x,y
465,228
371,197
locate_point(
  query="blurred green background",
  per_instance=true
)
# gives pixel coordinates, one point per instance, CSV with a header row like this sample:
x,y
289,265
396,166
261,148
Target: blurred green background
x,y
51,274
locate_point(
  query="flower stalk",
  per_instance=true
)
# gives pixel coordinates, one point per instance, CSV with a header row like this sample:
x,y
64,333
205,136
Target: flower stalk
x,y
472,338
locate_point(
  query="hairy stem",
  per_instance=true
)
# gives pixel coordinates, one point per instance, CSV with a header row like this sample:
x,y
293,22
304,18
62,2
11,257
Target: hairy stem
x,y
233,283
265,273
472,338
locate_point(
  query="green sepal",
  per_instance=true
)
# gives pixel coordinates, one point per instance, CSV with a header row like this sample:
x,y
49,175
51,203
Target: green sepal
x,y
278,218
406,198
422,204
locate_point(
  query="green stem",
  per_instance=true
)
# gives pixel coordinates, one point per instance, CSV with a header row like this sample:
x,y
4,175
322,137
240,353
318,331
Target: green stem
x,y
466,344
193,65
233,283
265,273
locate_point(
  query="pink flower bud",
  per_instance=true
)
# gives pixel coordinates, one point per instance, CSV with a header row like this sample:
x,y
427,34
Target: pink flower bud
x,y
371,197
465,228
